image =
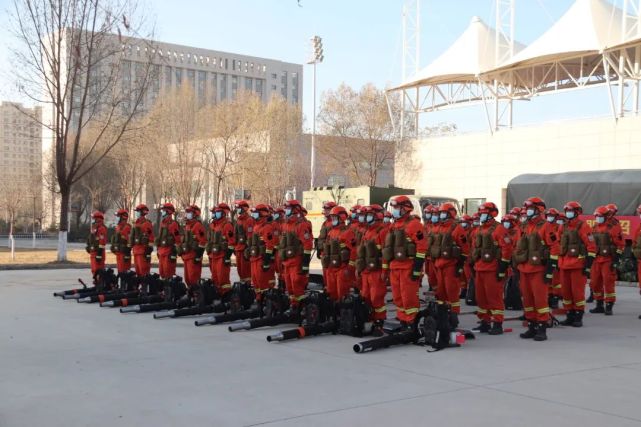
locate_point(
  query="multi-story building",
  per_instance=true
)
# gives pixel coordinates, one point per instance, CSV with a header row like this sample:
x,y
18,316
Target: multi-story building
x,y
21,156
214,77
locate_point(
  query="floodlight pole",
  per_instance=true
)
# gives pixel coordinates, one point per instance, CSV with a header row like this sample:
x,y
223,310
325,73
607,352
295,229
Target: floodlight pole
x,y
313,149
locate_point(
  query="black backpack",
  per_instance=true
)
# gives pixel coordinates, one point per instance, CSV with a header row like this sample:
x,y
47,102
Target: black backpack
x,y
353,314
512,296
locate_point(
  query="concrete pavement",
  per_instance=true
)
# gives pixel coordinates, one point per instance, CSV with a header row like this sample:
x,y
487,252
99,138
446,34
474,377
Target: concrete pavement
x,y
68,364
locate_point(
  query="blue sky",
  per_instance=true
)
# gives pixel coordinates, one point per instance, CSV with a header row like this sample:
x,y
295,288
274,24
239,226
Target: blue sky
x,y
362,41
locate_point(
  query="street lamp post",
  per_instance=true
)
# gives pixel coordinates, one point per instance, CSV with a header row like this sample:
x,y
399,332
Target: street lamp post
x,y
317,58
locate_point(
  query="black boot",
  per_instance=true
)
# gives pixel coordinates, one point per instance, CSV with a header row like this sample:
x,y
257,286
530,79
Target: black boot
x,y
453,320
463,294
497,328
608,308
483,327
599,308
591,297
578,319
569,319
553,302
531,331
540,332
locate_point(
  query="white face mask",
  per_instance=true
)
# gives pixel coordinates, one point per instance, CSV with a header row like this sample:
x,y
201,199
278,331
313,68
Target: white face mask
x,y
387,219
560,222
464,225
484,217
163,214
334,221
507,224
530,213
255,215
550,219
523,218
569,214
276,216
239,211
361,218
138,214
370,218
93,220
600,219
288,212
189,215
442,216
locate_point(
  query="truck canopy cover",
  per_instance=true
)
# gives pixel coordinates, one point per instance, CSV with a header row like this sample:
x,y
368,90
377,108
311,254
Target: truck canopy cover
x,y
591,189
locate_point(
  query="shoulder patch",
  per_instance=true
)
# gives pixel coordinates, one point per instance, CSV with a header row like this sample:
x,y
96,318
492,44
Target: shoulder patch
x,y
307,236
507,239
590,238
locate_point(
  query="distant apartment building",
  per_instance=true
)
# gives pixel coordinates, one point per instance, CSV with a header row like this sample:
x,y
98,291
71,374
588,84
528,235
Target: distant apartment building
x,y
214,76
21,154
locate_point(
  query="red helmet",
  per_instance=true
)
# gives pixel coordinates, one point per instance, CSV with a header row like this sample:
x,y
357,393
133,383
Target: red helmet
x,y
476,217
294,205
573,206
466,218
303,210
224,206
388,214
168,207
536,202
328,205
509,218
262,209
403,202
241,204
449,208
428,209
194,209
122,213
142,208
489,208
614,209
98,215
602,211
552,212
338,211
516,211
279,210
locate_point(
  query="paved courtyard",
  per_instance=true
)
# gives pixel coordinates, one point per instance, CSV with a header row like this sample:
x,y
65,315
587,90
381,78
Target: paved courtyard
x,y
68,364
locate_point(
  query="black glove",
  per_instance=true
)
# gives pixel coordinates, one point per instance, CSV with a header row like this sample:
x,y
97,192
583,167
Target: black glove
x,y
199,253
173,254
588,266
149,250
228,254
305,267
503,265
460,265
88,249
615,260
267,261
417,269
100,253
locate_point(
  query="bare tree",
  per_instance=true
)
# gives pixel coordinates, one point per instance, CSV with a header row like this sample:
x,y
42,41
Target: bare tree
x,y
70,60
12,201
364,139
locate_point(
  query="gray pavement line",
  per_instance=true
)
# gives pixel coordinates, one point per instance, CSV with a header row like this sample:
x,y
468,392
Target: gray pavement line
x,y
559,403
556,374
364,405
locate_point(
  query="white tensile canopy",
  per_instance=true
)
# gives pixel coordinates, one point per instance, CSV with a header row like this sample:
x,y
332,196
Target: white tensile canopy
x,y
470,55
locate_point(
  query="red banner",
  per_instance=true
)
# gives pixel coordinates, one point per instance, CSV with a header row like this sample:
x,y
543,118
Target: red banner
x,y
628,224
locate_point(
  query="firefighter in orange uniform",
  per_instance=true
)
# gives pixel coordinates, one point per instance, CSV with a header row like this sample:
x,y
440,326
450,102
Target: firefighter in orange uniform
x,y
636,249
120,242
322,235
554,290
577,253
142,241
167,241
261,250
403,258
193,243
466,224
220,247
295,248
609,244
278,219
97,241
369,265
449,249
491,255
430,271
339,256
243,229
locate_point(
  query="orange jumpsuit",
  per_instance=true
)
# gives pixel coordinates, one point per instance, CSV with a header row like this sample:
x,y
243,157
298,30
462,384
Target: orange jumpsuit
x,y
342,277
169,237
534,291
637,238
123,253
219,258
243,230
262,267
374,286
602,279
295,272
449,285
430,270
489,287
573,279
97,252
142,242
404,285
192,258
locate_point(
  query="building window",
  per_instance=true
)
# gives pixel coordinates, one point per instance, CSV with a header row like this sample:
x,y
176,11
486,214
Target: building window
x,y
178,76
191,79
155,83
274,76
274,87
223,87
295,88
201,89
234,86
283,81
249,83
260,87
213,87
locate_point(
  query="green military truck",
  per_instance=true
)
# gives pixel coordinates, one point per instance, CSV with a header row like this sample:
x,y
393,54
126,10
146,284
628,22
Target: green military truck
x,y
347,197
